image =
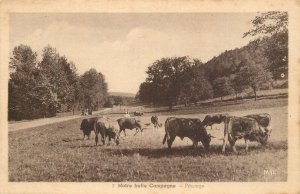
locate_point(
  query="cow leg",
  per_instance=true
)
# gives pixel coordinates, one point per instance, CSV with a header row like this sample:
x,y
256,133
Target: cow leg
x,y
170,141
225,140
103,138
247,144
109,139
232,144
195,143
96,138
136,131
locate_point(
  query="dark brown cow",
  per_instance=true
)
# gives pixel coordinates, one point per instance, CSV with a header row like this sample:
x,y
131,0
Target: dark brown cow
x,y
155,122
87,126
129,123
184,127
209,120
243,127
107,129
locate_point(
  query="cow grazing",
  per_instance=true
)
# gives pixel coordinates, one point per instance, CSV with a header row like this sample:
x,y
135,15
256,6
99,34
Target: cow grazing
x,y
209,120
129,123
263,119
243,127
87,126
155,122
107,129
184,127
137,113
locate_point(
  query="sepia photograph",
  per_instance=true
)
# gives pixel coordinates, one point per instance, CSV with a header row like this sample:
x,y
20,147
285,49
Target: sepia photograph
x,y
149,100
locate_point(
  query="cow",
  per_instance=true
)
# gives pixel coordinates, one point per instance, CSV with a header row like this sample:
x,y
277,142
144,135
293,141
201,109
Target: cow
x,y
263,120
243,127
129,123
137,113
106,128
209,120
87,126
155,122
185,127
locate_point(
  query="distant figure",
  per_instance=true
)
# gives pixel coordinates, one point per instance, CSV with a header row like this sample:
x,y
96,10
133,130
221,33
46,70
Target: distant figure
x,y
155,122
137,113
127,115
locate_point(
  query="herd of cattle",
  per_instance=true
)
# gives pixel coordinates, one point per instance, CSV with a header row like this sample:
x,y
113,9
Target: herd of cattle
x,y
254,127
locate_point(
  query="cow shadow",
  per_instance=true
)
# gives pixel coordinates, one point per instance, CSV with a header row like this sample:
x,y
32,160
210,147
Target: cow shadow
x,y
160,152
195,152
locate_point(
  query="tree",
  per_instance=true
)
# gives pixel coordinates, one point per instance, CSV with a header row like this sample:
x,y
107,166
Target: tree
x,y
237,84
29,93
273,27
222,87
62,77
165,80
94,89
196,87
253,75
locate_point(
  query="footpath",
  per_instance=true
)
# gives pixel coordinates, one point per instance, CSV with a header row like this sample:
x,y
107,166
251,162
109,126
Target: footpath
x,y
40,122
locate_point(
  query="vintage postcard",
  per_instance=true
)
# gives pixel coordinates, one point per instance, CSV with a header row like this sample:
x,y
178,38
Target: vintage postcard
x,y
150,96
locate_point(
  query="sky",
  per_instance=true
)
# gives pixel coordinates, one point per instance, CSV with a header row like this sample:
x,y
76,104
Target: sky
x,y
122,45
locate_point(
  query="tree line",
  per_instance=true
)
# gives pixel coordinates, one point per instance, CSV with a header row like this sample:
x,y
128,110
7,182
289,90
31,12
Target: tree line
x,y
257,65
51,85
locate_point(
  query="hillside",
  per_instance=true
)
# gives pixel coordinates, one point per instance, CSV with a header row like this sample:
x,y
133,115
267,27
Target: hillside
x,y
124,94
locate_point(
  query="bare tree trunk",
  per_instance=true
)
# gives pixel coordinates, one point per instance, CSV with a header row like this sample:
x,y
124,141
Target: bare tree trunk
x,y
255,93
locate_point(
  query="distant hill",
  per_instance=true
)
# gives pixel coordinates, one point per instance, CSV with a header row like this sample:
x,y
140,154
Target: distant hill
x,y
124,94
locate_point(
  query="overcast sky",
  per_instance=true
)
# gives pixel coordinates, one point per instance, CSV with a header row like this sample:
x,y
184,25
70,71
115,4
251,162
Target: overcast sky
x,y
122,46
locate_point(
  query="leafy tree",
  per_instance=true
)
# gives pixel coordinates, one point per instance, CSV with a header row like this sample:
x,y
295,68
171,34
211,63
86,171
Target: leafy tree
x,y
237,84
165,80
273,27
94,89
62,78
222,87
253,75
197,86
29,93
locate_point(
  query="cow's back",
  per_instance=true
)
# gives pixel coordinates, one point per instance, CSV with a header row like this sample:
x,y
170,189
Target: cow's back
x,y
263,119
243,126
182,127
128,123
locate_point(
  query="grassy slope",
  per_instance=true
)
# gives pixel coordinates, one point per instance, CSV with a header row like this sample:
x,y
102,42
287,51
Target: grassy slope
x,y
56,153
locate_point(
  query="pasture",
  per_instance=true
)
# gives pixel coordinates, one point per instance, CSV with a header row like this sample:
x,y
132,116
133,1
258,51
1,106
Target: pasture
x,y
56,152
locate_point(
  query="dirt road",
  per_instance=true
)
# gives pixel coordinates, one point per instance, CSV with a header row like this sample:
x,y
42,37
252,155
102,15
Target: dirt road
x,y
39,122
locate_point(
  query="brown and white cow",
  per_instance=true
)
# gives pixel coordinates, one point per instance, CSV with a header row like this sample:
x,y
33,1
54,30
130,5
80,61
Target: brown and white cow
x,y
129,123
185,127
243,127
264,121
107,129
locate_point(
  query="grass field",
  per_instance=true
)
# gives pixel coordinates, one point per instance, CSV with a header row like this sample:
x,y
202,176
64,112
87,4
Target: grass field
x,y
56,152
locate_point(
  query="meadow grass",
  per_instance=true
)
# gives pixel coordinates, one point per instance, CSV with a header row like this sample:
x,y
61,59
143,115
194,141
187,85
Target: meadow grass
x,y
57,152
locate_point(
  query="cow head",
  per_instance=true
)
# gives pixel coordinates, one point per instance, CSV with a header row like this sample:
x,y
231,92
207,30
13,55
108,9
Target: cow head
x,y
207,121
203,136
